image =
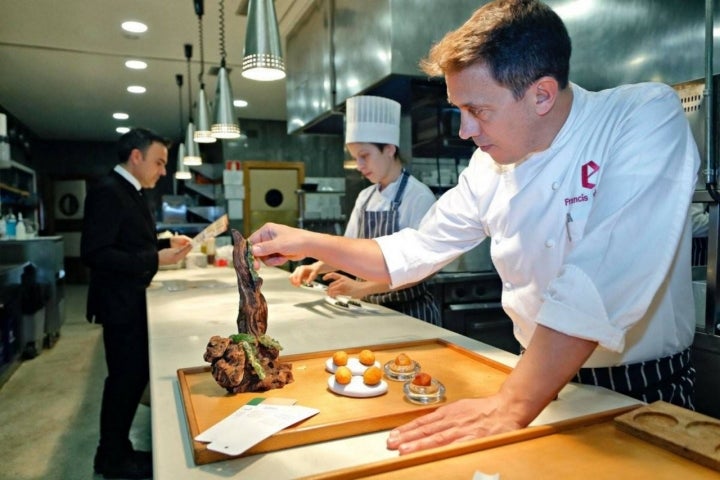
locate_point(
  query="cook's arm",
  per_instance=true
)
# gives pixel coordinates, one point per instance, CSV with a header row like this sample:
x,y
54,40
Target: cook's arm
x,y
274,244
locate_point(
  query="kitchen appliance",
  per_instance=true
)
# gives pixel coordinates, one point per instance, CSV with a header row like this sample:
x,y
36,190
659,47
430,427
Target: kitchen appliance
x,y
468,292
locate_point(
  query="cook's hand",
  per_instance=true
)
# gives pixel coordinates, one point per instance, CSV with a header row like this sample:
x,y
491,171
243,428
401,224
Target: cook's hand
x,y
179,241
274,244
342,285
169,256
458,421
305,274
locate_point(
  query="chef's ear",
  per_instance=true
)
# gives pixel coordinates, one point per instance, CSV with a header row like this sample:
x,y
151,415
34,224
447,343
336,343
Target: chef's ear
x,y
544,91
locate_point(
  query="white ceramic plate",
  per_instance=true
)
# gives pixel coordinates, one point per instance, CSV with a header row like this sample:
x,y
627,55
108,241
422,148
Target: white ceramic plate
x,y
318,287
357,388
356,368
341,303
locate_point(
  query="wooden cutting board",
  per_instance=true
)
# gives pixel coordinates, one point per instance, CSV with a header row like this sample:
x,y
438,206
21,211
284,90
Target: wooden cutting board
x,y
463,372
589,448
684,432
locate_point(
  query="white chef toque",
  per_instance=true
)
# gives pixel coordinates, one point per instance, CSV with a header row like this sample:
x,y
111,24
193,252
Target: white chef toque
x,y
372,119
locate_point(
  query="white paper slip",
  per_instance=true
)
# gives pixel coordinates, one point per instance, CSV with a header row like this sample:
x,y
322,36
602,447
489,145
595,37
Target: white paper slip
x,y
250,425
213,230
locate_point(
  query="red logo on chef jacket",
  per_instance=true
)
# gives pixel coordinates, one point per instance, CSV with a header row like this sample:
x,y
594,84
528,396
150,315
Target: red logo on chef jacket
x,y
588,171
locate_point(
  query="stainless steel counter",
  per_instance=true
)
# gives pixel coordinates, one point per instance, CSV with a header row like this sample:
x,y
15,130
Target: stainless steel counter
x,y
187,307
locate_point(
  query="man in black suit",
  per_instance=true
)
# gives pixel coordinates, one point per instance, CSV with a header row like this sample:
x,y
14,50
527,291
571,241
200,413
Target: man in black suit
x,y
120,246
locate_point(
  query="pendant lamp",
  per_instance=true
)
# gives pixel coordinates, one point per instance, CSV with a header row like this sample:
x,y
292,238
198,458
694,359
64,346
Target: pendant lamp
x,y
262,56
192,152
182,172
202,131
225,126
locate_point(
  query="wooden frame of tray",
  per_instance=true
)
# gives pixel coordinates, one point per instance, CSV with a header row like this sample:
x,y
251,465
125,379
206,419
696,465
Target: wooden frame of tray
x,y
592,447
463,372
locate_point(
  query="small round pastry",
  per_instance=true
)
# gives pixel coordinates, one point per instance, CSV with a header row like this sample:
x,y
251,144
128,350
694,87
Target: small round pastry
x,y
422,379
401,368
424,389
403,360
366,357
340,358
343,375
372,376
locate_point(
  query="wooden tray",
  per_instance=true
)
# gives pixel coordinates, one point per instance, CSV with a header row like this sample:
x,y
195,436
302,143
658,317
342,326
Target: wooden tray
x,y
589,447
463,372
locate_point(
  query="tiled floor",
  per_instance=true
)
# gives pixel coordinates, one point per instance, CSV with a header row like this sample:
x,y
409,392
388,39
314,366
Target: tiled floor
x,y
50,406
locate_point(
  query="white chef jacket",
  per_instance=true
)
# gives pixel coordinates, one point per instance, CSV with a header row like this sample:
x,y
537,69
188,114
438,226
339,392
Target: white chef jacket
x,y
590,237
415,203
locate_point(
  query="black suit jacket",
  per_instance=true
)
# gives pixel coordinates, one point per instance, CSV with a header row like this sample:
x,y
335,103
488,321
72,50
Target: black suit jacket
x,y
119,245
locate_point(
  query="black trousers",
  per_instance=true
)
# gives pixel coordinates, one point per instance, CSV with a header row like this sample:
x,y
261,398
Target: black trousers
x,y
671,379
127,358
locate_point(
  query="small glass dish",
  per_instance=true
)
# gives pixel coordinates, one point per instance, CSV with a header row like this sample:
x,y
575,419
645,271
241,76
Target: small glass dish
x,y
401,373
424,395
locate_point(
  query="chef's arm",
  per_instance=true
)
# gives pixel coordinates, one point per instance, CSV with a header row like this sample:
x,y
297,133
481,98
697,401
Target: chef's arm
x,y
550,361
275,244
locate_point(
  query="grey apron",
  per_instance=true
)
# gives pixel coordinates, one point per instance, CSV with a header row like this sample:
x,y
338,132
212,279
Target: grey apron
x,y
416,301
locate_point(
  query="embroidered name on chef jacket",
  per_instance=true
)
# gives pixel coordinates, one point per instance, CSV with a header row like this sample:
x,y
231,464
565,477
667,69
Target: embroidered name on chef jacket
x,y
579,205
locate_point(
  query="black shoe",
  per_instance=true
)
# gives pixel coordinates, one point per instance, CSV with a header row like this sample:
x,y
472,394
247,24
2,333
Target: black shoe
x,y
134,464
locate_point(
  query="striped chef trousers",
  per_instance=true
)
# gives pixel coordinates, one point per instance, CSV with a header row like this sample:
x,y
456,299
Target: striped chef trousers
x,y
670,379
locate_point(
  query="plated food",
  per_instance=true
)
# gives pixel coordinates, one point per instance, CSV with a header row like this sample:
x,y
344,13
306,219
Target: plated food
x,y
401,368
424,389
359,376
348,304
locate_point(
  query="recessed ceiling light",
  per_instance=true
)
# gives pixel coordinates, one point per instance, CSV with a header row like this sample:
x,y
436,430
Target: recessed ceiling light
x,y
136,89
240,103
122,130
134,27
136,64
120,116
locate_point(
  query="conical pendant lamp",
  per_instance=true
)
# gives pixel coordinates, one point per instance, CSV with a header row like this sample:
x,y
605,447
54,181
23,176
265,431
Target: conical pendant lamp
x,y
202,132
182,172
262,56
192,152
225,126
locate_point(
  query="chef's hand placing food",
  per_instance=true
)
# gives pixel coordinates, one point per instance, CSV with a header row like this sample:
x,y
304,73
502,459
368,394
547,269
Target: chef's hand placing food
x,y
343,285
305,274
274,244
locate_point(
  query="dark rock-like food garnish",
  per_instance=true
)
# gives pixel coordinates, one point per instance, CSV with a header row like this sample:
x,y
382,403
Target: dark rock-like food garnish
x,y
247,361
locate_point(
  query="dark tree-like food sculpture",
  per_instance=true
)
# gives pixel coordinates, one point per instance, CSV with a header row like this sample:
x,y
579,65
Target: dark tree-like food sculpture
x,y
248,361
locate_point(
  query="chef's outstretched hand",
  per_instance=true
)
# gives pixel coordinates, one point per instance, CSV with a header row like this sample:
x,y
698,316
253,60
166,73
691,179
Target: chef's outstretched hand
x,y
274,244
459,421
172,255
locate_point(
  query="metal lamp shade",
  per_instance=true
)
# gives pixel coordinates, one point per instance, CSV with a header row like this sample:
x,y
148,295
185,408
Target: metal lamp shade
x,y
262,56
224,126
203,133
182,172
192,152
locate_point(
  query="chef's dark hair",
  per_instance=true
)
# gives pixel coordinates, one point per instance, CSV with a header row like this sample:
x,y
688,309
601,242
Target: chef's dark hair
x,y
140,138
380,147
519,40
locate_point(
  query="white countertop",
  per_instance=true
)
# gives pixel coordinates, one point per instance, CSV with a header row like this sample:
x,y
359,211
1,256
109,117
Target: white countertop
x,y
187,307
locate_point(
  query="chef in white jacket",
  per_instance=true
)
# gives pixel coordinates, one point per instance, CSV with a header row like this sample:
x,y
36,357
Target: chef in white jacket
x,y
394,201
574,189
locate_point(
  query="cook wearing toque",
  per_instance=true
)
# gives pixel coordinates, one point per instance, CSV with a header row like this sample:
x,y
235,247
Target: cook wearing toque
x,y
396,200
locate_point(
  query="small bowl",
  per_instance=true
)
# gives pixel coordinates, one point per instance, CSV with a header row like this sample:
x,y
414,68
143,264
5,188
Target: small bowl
x,y
433,393
401,373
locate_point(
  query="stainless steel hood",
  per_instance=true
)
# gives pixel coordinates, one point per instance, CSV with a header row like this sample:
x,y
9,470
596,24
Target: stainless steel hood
x,y
348,47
